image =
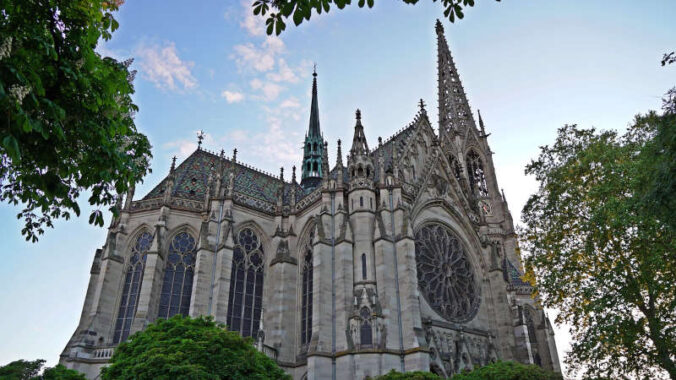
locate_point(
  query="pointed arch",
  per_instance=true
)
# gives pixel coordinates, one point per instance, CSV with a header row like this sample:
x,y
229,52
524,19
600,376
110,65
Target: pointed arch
x,y
245,302
365,330
178,273
476,173
132,284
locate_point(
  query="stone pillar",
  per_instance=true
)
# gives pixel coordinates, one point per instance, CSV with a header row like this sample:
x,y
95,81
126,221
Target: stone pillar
x,y
223,267
201,288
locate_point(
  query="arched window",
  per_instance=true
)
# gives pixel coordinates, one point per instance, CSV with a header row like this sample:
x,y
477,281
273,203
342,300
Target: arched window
x,y
363,266
132,287
455,167
365,332
246,284
314,166
309,166
306,301
476,174
178,276
528,316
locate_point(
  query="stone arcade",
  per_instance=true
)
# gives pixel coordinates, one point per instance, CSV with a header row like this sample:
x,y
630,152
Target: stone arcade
x,y
402,257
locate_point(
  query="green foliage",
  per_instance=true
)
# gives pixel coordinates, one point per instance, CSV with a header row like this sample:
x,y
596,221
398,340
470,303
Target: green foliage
x,y
508,371
600,234
21,369
66,113
416,375
189,348
25,370
301,10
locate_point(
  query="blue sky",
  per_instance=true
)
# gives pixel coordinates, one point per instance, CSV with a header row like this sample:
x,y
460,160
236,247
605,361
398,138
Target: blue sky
x,y
530,66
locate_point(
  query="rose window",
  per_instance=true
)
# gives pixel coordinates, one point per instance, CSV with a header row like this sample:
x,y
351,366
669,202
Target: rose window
x,y
445,274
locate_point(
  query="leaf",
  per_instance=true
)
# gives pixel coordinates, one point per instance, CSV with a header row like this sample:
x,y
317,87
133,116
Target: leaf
x,y
12,147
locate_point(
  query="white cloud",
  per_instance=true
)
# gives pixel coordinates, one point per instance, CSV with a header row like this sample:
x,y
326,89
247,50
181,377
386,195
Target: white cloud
x,y
270,91
162,66
232,96
248,56
291,102
284,73
254,25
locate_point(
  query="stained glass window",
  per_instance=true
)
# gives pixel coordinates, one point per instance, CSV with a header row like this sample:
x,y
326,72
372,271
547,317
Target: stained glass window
x,y
445,274
178,276
306,296
132,287
246,284
365,332
476,174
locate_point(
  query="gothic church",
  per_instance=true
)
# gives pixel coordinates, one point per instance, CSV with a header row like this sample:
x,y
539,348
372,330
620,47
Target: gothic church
x,y
402,256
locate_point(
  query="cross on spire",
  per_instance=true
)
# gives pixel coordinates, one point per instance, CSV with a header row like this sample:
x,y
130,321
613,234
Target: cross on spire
x,y
200,137
422,105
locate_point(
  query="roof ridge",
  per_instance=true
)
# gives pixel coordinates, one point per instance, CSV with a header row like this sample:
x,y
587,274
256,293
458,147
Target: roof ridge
x,y
243,164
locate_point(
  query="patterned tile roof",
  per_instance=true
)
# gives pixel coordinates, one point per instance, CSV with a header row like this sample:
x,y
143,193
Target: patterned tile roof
x,y
192,176
513,275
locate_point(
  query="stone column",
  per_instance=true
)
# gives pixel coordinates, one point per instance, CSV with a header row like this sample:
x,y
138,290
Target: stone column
x,y
151,286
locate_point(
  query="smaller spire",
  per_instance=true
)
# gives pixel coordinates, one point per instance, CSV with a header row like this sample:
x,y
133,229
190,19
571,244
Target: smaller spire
x,y
481,124
200,137
173,164
222,153
422,105
339,155
281,174
359,144
234,155
358,114
293,174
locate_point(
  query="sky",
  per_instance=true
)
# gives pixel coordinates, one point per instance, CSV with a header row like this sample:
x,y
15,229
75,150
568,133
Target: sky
x,y
529,66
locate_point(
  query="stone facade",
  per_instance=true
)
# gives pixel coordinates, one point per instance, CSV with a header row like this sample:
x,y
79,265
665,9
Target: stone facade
x,y
403,258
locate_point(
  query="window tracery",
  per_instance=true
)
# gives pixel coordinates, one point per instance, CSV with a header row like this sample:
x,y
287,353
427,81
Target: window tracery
x,y
365,331
246,284
178,276
445,274
132,287
307,290
476,174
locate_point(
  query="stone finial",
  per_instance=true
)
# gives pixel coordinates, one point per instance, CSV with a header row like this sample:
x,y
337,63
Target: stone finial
x,y
439,27
380,141
173,164
222,153
422,105
281,174
234,155
358,114
293,174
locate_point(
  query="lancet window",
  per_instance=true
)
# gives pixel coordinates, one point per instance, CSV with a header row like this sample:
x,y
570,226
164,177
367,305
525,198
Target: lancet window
x,y
246,284
528,316
178,276
363,266
366,331
476,174
306,296
132,286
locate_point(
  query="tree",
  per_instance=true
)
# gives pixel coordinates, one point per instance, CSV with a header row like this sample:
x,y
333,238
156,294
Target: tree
x,y
508,371
600,239
66,113
25,370
300,10
189,348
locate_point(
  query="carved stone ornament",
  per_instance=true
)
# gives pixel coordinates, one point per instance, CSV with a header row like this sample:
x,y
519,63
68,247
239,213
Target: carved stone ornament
x,y
445,274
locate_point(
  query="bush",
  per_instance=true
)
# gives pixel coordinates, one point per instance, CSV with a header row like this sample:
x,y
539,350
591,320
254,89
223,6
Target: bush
x,y
508,371
416,375
189,348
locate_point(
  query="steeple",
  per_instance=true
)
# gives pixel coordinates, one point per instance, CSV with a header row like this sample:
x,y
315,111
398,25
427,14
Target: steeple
x,y
455,115
313,130
360,164
313,148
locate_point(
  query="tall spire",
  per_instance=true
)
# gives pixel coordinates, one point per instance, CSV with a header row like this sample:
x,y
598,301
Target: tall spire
x,y
454,111
313,147
314,130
